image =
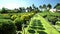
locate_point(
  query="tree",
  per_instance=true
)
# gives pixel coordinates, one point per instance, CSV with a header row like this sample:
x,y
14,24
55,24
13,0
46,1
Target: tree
x,y
58,4
33,6
16,10
49,6
58,7
44,6
30,8
4,10
36,10
23,9
20,9
40,7
27,9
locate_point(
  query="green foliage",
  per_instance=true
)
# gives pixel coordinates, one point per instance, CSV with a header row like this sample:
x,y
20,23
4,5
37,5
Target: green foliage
x,y
13,17
4,16
51,17
58,23
7,27
4,10
58,7
44,6
58,4
53,20
35,26
17,18
42,32
49,6
11,11
18,23
21,19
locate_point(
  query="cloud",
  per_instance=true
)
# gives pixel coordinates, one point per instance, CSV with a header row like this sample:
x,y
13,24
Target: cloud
x,y
10,5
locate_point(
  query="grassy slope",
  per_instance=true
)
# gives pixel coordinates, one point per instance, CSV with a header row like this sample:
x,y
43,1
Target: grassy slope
x,y
48,28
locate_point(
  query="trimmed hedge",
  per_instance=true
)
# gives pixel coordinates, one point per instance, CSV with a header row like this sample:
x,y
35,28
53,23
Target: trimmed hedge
x,y
7,27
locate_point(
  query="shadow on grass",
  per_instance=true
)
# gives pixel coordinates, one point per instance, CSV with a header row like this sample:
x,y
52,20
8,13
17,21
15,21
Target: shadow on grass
x,y
42,32
31,31
33,27
37,23
41,28
19,33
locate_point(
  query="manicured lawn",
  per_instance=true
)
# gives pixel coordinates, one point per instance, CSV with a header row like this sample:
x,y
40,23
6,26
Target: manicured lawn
x,y
38,25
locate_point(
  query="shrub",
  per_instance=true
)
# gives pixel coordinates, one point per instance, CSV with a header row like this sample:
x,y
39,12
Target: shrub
x,y
52,20
45,16
3,10
31,31
18,23
7,27
14,17
58,23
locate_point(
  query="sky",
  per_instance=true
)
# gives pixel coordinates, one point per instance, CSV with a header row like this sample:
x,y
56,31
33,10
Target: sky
x,y
11,4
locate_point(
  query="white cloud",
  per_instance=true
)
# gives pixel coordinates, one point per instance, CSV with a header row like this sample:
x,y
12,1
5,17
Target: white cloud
x,y
10,5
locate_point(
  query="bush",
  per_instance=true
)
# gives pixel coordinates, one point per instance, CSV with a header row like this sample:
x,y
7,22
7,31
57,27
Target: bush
x,y
18,23
58,23
52,19
3,10
14,17
31,31
44,16
7,27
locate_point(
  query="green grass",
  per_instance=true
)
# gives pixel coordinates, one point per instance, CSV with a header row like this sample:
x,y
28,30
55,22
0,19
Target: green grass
x,y
37,25
45,29
7,17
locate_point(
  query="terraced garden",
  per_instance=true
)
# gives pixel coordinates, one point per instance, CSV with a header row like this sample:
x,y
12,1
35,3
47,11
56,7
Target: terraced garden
x,y
15,18
38,25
